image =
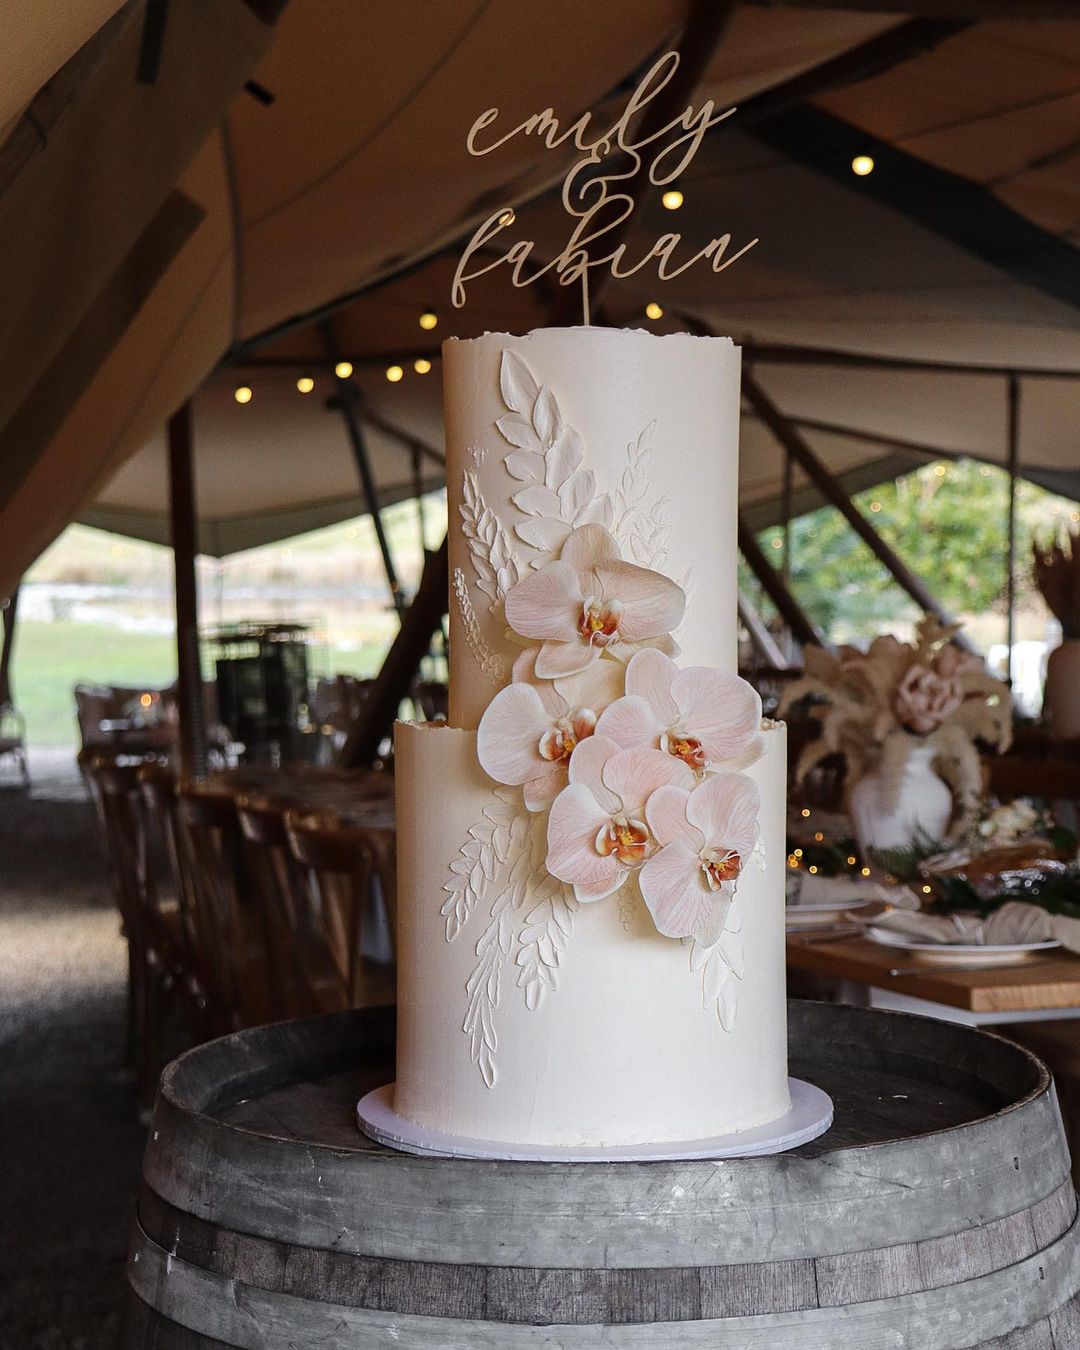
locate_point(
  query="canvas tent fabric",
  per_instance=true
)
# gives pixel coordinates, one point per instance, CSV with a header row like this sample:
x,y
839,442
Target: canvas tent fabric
x,y
354,179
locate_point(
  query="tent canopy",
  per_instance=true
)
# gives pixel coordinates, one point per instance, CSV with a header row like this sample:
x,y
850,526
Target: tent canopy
x,y
344,193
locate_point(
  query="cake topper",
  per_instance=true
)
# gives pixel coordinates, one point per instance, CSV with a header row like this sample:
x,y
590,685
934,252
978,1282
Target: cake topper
x,y
591,191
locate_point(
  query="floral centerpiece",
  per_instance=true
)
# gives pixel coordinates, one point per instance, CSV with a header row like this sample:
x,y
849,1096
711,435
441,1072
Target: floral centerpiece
x,y
1057,575
906,717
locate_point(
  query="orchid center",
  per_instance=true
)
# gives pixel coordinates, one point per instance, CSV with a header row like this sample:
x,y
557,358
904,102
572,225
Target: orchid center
x,y
687,748
599,622
627,838
558,742
719,865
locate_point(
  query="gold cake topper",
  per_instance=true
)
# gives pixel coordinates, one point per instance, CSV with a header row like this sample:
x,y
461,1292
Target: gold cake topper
x,y
593,198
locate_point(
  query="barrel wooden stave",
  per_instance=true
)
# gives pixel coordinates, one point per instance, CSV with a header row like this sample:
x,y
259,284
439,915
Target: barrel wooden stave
x,y
246,1229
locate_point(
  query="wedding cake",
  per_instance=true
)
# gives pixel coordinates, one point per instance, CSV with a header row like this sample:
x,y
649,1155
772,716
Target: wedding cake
x,y
591,852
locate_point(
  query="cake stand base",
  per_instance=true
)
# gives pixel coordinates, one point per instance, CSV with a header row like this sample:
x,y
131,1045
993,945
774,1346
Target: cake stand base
x,y
811,1114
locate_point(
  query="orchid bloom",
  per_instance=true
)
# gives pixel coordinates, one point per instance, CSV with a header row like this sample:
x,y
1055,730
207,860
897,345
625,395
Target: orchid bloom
x,y
530,729
706,837
597,830
700,715
588,602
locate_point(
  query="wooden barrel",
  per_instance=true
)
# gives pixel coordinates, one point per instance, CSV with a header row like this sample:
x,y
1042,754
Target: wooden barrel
x,y
937,1213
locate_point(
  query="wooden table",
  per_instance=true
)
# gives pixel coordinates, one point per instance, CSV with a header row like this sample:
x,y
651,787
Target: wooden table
x,y
1045,987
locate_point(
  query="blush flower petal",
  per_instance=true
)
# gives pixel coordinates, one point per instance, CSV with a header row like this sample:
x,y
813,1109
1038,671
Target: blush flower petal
x,y
509,733
652,603
573,825
546,603
725,809
666,814
631,723
720,709
650,676
672,888
634,775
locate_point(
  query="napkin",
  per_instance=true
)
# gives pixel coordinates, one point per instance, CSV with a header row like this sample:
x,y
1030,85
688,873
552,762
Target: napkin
x,y
1015,922
804,889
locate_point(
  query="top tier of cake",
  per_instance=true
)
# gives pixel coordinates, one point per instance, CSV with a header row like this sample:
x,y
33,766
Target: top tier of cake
x,y
568,426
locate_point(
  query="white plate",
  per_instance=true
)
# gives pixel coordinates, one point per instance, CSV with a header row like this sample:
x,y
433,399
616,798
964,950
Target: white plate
x,y
963,953
798,916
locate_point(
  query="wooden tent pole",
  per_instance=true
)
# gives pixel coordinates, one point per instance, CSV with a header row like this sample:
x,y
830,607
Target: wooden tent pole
x,y
1013,465
793,442
347,401
760,636
422,620
183,529
772,583
10,606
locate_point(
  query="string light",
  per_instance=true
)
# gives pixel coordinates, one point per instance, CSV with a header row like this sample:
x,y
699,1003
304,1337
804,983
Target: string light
x,y
343,370
862,165
507,218
812,870
421,365
242,394
819,838
865,871
928,890
798,853
939,469
851,862
672,199
305,384
777,542
428,320
806,813
394,373
653,310
875,506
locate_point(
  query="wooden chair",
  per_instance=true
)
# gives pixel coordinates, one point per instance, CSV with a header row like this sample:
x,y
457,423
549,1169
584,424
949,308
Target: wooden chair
x,y
234,955
158,785
279,888
350,874
156,948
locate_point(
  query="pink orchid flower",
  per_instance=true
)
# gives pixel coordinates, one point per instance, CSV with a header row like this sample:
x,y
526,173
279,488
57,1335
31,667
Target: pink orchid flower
x,y
700,715
589,601
706,837
597,830
529,730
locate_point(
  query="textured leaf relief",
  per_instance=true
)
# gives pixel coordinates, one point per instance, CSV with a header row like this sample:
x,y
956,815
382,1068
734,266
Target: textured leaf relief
x,y
500,870
548,925
557,493
642,527
721,966
482,654
492,552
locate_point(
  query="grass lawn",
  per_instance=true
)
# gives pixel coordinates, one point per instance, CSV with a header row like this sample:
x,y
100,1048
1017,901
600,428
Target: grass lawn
x,y
50,659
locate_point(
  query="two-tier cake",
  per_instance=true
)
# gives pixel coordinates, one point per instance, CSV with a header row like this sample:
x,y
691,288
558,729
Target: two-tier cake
x,y
591,853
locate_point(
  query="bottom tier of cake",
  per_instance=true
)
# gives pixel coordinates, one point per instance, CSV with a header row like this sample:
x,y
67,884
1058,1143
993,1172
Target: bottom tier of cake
x,y
524,1019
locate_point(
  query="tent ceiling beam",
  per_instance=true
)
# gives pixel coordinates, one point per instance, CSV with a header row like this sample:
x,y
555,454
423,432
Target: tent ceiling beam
x,y
772,583
789,437
873,57
783,354
183,527
347,402
10,608
963,212
422,620
697,43
999,10
763,641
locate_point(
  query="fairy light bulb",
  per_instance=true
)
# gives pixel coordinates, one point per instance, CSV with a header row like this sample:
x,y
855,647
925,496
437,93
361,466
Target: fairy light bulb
x,y
428,320
421,365
394,373
653,310
343,370
305,384
861,165
672,199
243,394
507,218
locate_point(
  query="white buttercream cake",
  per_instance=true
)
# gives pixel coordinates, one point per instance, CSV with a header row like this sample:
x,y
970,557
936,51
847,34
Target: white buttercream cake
x,y
591,853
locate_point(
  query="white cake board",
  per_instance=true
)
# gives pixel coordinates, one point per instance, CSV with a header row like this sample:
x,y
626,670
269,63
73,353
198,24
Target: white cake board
x,y
811,1114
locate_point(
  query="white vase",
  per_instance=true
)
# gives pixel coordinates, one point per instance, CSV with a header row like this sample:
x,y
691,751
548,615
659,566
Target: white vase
x,y
918,811
1061,693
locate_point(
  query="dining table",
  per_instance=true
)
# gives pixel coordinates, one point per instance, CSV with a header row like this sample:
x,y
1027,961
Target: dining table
x,y
1042,986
